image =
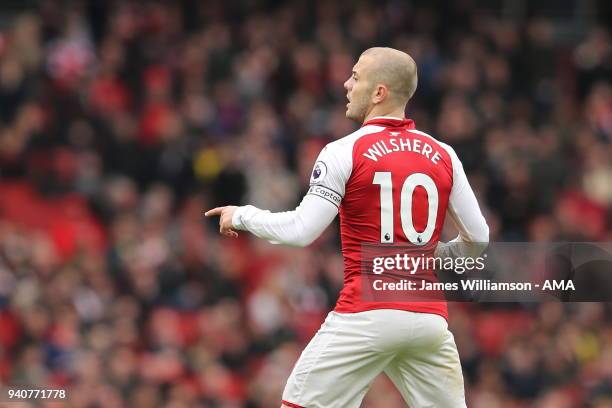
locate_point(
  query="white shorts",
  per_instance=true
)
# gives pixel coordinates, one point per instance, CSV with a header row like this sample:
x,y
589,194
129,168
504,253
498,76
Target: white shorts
x,y
416,351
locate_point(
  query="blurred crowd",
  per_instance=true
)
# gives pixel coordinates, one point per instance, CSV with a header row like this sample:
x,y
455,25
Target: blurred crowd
x,y
121,121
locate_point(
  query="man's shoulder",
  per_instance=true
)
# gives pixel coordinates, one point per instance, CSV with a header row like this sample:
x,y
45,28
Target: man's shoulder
x,y
346,143
445,146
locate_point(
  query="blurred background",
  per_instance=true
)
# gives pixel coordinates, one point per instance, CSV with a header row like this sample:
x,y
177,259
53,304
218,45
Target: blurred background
x,y
121,121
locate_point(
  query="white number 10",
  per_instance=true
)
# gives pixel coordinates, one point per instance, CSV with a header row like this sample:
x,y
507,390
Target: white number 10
x,y
383,178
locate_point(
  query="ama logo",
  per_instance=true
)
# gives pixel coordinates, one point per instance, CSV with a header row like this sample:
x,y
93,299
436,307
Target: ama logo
x,y
318,173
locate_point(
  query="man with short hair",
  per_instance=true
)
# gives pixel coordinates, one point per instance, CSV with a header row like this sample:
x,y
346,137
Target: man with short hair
x,y
391,184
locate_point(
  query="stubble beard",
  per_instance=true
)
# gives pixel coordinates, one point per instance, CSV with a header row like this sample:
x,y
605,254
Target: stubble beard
x,y
356,113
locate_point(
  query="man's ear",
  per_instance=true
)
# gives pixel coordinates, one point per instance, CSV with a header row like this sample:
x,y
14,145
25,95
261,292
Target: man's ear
x,y
380,93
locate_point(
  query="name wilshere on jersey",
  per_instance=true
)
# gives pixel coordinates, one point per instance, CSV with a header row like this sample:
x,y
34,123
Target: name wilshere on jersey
x,y
380,148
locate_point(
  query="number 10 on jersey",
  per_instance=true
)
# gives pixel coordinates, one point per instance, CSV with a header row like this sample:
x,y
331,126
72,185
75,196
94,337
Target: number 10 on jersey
x,y
383,178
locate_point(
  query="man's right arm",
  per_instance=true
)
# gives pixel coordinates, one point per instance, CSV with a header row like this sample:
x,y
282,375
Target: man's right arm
x,y
299,227
317,210
463,209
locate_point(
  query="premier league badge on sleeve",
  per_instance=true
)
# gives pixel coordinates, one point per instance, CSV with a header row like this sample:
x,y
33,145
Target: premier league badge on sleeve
x,y
318,173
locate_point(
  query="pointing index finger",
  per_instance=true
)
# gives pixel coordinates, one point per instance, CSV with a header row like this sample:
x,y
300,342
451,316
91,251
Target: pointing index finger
x,y
214,211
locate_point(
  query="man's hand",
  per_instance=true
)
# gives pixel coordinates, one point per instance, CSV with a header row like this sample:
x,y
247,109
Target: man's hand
x,y
225,222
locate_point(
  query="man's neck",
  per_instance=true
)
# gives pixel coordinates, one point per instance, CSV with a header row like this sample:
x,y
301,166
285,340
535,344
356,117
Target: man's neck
x,y
395,113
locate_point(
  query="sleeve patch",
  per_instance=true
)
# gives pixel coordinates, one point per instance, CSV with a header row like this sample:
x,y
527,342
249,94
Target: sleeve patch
x,y
326,194
318,173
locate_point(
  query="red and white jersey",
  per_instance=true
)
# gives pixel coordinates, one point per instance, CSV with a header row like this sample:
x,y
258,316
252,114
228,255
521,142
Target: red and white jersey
x,y
392,185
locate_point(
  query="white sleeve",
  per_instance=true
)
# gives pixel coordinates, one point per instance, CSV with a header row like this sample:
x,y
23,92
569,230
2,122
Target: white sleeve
x,y
317,210
299,227
464,211
331,172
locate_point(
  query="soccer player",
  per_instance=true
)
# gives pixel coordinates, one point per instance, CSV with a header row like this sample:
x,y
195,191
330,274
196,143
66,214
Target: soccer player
x,y
391,184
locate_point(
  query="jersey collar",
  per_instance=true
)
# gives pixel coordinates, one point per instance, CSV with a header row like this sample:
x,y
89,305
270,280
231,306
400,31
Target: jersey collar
x,y
390,121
